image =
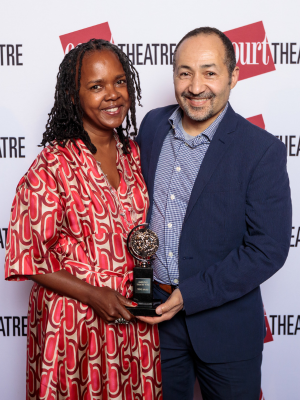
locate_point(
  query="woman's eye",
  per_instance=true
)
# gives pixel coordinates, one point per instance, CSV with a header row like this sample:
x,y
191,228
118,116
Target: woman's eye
x,y
122,82
96,87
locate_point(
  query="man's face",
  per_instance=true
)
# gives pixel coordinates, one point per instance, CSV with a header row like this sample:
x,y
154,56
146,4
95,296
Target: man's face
x,y
201,78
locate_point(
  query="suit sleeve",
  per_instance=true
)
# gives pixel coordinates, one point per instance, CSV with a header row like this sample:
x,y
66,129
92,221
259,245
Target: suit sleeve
x,y
266,242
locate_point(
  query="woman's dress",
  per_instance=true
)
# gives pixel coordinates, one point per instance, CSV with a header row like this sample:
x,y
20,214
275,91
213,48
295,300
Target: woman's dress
x,y
67,216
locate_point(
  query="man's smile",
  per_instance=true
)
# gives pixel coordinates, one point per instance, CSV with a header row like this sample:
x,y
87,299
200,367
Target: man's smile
x,y
197,102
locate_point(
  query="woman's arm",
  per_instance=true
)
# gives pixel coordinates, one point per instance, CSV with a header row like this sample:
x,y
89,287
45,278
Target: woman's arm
x,y
36,220
106,302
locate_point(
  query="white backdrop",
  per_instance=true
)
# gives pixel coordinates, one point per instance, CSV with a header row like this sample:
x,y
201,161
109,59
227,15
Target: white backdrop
x,y
30,53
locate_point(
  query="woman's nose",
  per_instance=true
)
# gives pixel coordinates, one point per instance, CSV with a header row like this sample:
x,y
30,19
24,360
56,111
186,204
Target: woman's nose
x,y
111,93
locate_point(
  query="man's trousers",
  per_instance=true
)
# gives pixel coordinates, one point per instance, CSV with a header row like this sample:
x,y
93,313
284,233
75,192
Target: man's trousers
x,y
181,366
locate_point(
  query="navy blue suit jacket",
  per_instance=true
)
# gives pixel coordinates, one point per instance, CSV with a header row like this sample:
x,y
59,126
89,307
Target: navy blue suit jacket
x,y
235,235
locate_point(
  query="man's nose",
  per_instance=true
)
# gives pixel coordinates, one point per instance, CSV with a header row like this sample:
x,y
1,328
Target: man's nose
x,y
197,84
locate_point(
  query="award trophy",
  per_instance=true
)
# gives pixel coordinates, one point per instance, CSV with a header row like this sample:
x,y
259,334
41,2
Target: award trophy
x,y
142,244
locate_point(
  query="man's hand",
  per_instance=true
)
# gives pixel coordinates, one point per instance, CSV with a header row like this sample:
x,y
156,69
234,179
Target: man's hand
x,y
167,310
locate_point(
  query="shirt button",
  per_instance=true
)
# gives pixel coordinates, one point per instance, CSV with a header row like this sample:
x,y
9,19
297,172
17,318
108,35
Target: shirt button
x,y
176,281
170,254
172,197
178,169
169,225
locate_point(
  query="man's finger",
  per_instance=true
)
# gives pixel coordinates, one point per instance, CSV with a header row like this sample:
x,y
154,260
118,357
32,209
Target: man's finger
x,y
173,301
165,307
151,320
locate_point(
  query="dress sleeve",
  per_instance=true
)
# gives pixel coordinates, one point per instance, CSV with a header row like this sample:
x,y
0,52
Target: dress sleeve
x,y
35,224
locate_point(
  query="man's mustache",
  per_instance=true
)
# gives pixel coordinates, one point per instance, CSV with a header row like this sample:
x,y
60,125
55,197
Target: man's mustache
x,y
203,95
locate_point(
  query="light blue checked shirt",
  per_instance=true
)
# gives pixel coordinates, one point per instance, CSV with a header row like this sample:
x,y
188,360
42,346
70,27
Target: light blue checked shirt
x,y
178,166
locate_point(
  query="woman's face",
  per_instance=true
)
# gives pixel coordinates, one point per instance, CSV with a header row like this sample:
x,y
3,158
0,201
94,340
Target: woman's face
x,y
103,92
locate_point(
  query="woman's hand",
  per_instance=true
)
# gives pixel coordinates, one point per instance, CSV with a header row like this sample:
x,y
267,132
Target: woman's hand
x,y
109,304
106,302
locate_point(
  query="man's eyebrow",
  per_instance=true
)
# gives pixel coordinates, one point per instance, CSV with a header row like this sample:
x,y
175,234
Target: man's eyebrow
x,y
208,65
185,67
201,66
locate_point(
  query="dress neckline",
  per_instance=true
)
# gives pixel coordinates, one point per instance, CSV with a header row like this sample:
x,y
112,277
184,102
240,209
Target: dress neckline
x,y
129,215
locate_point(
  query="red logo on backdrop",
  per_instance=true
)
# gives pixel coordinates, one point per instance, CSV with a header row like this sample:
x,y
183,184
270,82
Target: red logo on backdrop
x,y
261,396
269,336
71,40
252,50
257,120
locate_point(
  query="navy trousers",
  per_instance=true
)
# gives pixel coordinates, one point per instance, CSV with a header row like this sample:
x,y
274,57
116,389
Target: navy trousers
x,y
181,366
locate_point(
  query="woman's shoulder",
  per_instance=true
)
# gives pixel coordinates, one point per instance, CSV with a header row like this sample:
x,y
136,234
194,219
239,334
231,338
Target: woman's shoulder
x,y
45,167
48,158
55,151
54,154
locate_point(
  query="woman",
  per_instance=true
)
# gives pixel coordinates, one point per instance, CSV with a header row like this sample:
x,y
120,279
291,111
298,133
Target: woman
x,y
70,219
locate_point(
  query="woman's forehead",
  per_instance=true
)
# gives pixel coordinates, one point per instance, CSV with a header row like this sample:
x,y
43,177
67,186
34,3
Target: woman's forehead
x,y
100,61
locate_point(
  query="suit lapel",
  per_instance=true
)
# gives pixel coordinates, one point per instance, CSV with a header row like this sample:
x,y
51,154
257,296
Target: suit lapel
x,y
216,150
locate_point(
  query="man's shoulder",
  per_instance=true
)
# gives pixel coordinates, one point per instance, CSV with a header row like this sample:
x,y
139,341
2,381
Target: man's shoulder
x,y
161,113
152,120
250,132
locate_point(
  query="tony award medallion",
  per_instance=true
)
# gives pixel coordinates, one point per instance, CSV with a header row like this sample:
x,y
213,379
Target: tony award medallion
x,y
142,244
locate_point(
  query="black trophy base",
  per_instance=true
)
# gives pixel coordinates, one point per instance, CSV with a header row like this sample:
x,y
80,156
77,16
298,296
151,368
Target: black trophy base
x,y
145,309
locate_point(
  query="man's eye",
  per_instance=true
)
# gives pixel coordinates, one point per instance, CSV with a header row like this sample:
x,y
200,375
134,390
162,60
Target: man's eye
x,y
184,74
211,74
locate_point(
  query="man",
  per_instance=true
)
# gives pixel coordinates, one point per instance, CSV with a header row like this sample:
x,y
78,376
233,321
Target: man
x,y
220,204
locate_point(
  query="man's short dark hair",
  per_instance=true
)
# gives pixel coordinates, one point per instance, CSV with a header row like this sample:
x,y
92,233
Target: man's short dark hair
x,y
230,60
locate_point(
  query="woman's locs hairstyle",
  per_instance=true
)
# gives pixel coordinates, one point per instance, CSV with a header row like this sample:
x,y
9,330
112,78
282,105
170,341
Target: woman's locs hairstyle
x,y
65,119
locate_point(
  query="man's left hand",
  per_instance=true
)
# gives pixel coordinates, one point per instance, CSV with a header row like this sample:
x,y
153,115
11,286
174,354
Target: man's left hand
x,y
167,310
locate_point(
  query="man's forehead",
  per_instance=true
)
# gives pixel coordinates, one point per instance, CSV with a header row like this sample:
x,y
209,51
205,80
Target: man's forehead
x,y
201,46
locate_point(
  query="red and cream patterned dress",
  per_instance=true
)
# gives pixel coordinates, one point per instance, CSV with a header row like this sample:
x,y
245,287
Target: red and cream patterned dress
x,y
66,215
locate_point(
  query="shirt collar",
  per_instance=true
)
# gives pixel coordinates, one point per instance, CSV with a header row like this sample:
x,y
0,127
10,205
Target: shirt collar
x,y
209,132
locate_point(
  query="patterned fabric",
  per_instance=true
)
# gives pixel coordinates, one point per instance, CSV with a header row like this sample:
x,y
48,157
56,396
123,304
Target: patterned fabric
x,y
64,216
177,169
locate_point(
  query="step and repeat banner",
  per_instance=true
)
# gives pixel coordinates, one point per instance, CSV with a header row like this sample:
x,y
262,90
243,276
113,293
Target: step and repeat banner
x,y
35,35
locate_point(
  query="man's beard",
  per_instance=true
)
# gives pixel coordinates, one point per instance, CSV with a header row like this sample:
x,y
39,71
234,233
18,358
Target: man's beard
x,y
188,109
